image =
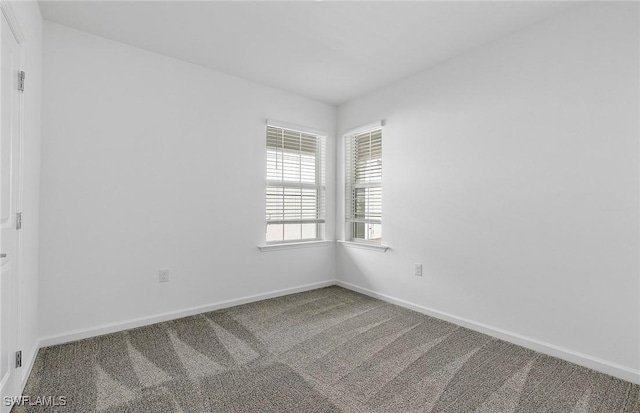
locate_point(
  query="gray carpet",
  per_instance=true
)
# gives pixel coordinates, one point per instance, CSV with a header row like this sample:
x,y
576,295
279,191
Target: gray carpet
x,y
326,350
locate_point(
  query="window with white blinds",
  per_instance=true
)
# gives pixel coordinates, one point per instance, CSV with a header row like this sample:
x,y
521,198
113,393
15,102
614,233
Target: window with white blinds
x,y
295,185
364,186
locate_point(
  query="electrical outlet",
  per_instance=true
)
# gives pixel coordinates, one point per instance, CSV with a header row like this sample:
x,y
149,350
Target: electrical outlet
x,y
163,275
417,270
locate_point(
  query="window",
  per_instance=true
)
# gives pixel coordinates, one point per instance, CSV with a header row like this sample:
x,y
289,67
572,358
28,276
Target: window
x,y
295,185
363,186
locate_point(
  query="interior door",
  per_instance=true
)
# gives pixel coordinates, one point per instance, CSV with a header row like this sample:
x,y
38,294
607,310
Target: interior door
x,y
10,142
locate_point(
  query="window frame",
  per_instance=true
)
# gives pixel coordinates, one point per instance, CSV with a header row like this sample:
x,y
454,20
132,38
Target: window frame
x,y
319,186
351,185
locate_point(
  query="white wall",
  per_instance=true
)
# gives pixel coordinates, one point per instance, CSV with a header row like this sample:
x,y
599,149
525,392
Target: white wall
x,y
28,16
149,162
511,173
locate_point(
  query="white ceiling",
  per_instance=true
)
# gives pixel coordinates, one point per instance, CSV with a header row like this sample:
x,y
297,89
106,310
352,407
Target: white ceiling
x,y
329,51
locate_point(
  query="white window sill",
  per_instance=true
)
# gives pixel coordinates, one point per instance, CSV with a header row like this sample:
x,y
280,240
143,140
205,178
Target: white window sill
x,y
293,245
363,245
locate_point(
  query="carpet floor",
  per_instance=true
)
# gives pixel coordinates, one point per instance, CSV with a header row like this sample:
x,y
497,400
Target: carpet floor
x,y
327,350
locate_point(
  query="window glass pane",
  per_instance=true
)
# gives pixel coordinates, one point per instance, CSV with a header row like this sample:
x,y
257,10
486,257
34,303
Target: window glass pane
x,y
367,156
308,168
367,203
292,232
291,156
274,164
274,232
366,232
275,203
358,230
309,231
309,203
292,201
375,232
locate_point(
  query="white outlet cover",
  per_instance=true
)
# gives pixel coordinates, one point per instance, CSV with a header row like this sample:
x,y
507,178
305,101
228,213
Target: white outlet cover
x,y
417,270
163,275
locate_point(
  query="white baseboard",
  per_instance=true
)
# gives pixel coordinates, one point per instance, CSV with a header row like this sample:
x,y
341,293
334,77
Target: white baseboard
x,y
581,359
172,315
26,368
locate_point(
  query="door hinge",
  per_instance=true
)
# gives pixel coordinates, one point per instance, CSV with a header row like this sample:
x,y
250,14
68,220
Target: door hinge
x,y
18,359
19,220
21,81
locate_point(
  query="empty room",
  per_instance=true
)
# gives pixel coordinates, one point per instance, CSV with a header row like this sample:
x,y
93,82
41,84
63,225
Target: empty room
x,y
320,206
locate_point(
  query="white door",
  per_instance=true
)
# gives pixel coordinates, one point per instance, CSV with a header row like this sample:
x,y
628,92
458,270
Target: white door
x,y
9,196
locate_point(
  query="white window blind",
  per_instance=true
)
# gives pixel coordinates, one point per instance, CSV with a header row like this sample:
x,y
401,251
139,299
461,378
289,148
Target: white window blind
x,y
364,186
295,185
